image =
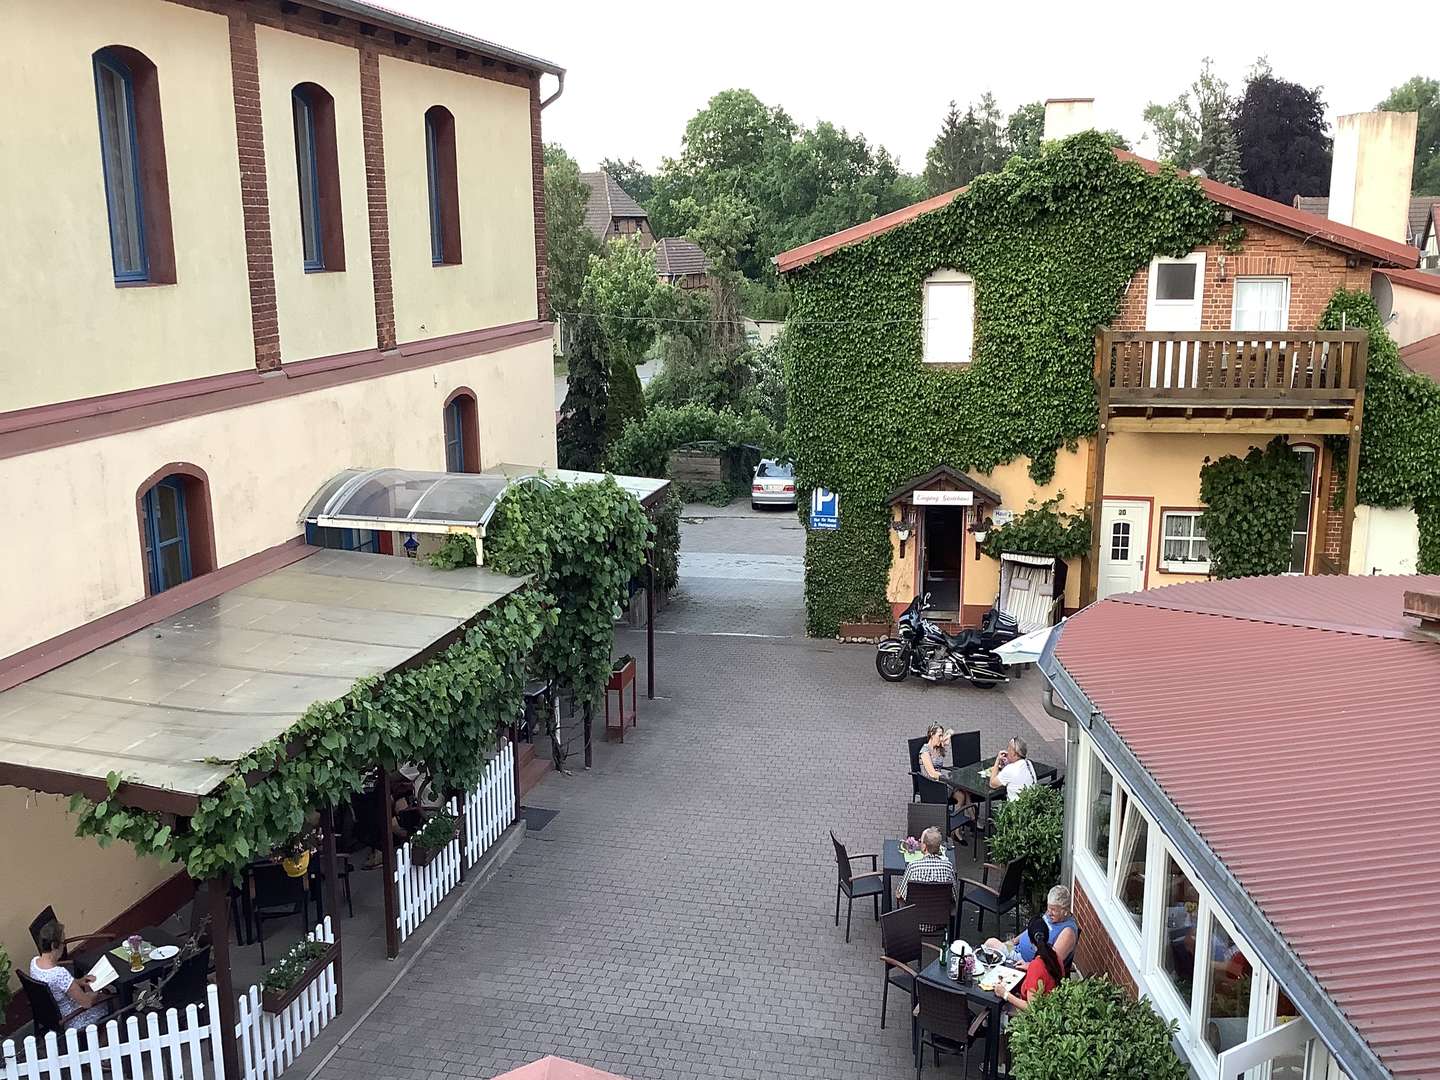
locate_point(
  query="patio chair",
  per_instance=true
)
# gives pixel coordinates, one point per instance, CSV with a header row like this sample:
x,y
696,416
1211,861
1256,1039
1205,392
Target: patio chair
x,y
43,1006
965,748
200,912
934,907
276,895
965,819
66,956
914,746
343,869
942,1020
920,816
902,952
998,901
189,983
854,885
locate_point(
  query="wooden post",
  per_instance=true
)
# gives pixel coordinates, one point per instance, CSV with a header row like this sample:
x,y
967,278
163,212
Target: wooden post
x,y
224,978
650,623
332,899
387,865
1352,470
588,713
1095,474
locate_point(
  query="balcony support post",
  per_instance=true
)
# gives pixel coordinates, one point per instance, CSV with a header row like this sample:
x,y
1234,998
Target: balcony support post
x,y
1095,474
1352,470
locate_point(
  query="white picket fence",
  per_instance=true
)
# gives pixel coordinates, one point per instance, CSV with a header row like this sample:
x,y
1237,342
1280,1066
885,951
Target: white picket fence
x,y
176,1047
489,807
181,1048
270,1042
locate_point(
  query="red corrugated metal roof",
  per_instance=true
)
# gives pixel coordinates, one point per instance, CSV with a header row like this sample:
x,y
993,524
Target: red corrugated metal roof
x,y
1242,202
1299,733
1415,279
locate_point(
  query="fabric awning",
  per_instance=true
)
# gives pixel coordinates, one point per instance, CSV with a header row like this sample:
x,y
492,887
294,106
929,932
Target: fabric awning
x,y
169,707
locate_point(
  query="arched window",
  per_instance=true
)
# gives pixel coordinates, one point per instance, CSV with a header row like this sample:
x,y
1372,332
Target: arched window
x,y
444,187
176,533
317,170
132,157
462,434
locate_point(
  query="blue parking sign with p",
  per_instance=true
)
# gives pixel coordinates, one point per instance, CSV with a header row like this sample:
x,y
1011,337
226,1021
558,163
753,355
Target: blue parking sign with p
x,y
824,509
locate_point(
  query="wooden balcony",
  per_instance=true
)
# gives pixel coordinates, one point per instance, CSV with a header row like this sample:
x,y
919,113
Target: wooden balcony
x,y
1311,381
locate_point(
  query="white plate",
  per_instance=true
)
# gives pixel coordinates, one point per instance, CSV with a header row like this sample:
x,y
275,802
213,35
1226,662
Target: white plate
x,y
164,952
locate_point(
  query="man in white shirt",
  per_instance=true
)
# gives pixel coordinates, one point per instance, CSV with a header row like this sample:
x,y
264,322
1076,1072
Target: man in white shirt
x,y
1013,770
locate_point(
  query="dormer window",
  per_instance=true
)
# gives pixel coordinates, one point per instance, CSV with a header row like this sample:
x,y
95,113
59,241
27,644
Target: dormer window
x,y
949,314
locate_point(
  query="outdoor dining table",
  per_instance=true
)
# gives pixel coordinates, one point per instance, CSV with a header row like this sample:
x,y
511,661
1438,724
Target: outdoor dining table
x,y
153,969
934,975
974,780
892,865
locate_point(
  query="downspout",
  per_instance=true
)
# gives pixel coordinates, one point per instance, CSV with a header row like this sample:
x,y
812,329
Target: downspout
x,y
560,89
1055,707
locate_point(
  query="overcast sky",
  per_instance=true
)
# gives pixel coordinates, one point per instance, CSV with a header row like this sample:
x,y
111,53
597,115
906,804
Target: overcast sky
x,y
638,71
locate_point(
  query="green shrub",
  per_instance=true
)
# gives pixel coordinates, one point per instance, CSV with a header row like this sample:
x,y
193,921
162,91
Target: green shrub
x,y
1250,509
435,833
1043,529
1032,827
643,448
1091,1029
4,979
667,542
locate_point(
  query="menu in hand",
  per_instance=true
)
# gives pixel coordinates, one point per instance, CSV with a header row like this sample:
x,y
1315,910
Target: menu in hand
x,y
104,974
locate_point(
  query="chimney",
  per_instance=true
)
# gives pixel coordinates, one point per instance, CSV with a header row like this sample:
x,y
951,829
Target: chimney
x,y
1370,173
1068,116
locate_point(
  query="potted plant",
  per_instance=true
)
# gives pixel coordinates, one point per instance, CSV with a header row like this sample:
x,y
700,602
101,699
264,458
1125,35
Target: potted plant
x,y
430,839
1089,1029
294,971
1031,827
619,668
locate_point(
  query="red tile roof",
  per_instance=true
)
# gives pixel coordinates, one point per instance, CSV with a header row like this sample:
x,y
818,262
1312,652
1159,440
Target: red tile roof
x,y
1244,203
1423,356
1293,722
675,256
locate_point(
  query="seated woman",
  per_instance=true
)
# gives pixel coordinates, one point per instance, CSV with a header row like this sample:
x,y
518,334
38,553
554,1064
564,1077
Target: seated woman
x,y
1042,974
1060,923
932,761
78,1004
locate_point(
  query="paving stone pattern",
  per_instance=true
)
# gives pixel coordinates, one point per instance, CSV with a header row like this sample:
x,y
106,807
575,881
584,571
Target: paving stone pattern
x,y
676,918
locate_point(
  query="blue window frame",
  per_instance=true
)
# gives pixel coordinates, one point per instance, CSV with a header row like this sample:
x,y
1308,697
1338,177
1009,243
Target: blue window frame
x,y
454,437
120,159
167,535
307,168
432,170
342,539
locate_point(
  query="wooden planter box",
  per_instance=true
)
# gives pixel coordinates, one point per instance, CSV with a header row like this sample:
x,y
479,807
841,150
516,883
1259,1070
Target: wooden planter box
x,y
424,856
622,673
277,1001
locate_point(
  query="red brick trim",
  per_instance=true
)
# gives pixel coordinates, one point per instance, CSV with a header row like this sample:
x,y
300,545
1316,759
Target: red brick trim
x,y
62,648
372,134
250,144
47,426
1095,953
199,516
537,189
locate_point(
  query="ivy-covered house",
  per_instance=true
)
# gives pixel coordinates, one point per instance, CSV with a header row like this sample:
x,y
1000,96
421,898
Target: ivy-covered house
x,y
1075,338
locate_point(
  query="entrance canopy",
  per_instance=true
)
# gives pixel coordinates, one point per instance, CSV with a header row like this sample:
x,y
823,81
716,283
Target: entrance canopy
x,y
172,706
949,487
410,500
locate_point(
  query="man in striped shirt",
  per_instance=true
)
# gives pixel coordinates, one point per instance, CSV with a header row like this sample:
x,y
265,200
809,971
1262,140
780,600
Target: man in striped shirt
x,y
933,868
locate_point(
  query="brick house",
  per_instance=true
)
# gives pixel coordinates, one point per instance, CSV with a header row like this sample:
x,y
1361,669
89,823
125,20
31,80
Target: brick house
x,y
1185,327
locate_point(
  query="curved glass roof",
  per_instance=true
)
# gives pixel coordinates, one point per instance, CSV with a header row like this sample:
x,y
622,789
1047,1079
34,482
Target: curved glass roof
x,y
418,501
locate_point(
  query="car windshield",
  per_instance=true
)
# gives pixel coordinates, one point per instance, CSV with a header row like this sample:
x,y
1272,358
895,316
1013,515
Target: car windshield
x,y
776,469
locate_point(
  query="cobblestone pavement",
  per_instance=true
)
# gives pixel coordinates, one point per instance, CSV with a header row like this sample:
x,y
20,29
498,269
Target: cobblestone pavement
x,y
675,919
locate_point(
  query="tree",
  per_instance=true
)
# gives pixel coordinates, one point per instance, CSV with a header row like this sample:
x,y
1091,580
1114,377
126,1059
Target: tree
x,y
1025,129
632,178
967,146
1423,96
722,229
1196,130
568,243
581,431
1284,148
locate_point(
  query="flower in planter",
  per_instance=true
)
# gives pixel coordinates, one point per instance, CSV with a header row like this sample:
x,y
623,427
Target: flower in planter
x,y
290,968
910,846
435,833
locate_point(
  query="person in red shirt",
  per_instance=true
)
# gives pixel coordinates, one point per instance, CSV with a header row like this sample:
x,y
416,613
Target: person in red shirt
x,y
1041,974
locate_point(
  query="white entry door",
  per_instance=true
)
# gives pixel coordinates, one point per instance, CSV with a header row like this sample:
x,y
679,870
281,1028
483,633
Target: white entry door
x,y
1124,539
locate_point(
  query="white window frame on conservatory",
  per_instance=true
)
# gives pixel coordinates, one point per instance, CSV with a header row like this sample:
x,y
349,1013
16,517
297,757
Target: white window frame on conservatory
x,y
1141,951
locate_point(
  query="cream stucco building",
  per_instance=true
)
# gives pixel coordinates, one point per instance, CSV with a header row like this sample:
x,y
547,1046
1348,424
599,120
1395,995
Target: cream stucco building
x,y
302,237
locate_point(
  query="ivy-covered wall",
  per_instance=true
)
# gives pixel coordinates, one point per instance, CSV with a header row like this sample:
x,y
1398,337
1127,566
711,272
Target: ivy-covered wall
x,y
1052,244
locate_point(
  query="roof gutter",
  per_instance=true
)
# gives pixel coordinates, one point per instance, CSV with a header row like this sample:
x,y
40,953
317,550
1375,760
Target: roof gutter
x,y
560,89
1354,1055
393,20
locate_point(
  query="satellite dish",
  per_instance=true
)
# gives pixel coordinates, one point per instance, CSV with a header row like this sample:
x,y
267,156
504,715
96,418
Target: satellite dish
x,y
1383,293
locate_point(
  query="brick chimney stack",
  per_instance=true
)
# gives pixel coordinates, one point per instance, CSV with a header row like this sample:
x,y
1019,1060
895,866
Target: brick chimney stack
x,y
1371,171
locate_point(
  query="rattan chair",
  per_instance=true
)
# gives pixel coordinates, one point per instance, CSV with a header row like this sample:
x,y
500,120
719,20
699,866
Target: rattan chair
x,y
964,748
913,746
920,816
852,885
902,952
997,900
935,907
942,1020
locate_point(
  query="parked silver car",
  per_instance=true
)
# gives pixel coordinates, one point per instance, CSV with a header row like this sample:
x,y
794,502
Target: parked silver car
x,y
773,484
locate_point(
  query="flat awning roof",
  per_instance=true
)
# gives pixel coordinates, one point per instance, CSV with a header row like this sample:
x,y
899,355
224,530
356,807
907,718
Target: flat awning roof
x,y
415,500
169,707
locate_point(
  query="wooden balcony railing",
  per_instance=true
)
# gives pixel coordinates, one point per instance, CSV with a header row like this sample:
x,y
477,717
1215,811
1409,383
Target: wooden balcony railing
x,y
1318,369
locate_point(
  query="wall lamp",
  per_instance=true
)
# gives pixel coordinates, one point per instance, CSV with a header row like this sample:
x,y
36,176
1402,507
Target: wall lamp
x,y
980,529
903,527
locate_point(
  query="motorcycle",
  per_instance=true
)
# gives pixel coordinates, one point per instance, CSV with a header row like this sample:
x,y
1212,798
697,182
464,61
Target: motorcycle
x,y
924,649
